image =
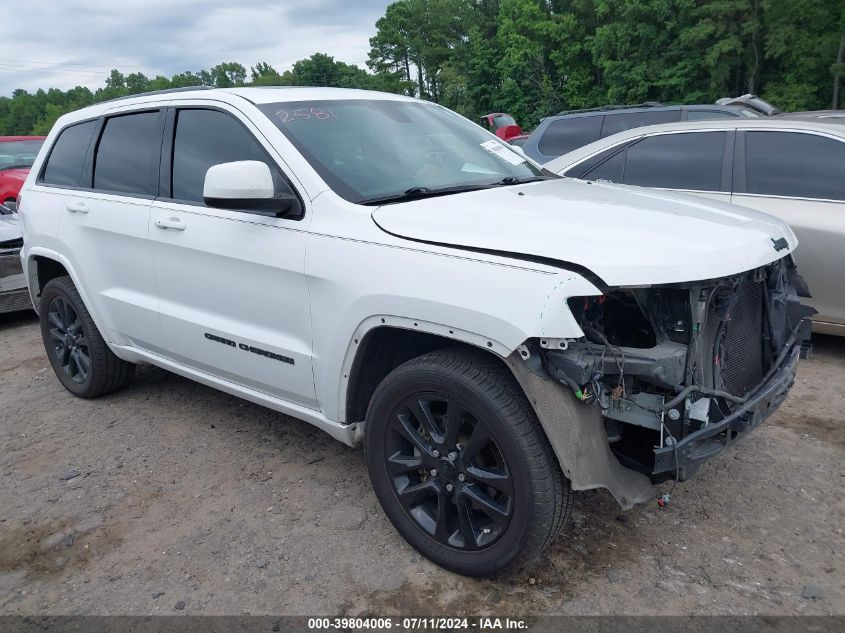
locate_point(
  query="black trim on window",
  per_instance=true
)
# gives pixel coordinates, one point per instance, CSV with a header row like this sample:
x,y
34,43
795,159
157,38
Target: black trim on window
x,y
86,181
165,186
165,174
727,161
739,175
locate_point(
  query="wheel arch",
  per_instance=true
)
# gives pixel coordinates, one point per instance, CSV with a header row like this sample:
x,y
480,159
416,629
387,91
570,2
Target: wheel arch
x,y
382,343
43,265
574,431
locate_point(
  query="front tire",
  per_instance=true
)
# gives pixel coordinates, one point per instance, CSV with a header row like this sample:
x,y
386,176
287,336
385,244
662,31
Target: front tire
x,y
461,466
83,362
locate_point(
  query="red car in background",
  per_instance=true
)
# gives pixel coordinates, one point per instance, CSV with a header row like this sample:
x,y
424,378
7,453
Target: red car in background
x,y
17,153
505,127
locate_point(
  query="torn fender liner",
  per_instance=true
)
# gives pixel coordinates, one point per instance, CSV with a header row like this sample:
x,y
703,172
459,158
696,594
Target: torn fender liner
x,y
576,433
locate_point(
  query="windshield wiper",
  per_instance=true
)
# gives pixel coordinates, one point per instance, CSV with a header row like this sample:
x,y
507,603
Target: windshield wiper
x,y
514,180
417,193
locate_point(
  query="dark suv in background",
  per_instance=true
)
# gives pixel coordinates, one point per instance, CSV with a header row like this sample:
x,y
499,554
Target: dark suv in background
x,y
564,132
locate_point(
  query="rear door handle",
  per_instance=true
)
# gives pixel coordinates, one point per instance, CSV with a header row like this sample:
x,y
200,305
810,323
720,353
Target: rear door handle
x,y
77,206
174,224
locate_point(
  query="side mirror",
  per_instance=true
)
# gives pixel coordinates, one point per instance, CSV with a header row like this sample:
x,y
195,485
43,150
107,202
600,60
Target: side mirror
x,y
246,185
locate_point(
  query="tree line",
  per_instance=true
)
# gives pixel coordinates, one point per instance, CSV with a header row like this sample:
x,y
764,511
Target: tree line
x,y
533,58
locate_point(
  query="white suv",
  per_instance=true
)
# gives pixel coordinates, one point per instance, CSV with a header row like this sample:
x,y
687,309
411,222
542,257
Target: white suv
x,y
388,271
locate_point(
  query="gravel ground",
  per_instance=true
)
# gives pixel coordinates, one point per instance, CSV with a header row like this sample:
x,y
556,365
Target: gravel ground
x,y
170,494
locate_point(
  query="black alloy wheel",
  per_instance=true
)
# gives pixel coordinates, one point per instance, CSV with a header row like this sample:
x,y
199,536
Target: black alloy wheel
x,y
448,472
79,355
70,347
460,463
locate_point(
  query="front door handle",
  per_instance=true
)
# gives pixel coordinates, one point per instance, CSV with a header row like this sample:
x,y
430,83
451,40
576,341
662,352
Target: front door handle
x,y
77,206
174,224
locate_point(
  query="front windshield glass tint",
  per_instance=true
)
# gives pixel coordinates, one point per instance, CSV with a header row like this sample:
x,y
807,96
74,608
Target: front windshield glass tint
x,y
503,120
373,149
18,153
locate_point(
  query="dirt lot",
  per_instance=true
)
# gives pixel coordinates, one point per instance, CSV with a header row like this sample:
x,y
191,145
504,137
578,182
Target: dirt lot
x,y
172,492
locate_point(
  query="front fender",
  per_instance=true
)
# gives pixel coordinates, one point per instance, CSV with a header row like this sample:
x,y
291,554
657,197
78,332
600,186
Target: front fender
x,y
494,305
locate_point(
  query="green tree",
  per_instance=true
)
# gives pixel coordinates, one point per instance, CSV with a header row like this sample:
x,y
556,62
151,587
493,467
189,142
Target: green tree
x,y
263,74
227,75
801,47
533,58
391,46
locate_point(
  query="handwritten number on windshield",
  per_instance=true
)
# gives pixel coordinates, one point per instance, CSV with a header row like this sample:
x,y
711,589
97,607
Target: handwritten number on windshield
x,y
302,114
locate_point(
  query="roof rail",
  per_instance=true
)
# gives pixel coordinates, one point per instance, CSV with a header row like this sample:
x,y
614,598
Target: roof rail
x,y
645,104
159,92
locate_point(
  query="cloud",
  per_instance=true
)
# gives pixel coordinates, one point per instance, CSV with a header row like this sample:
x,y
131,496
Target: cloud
x,y
76,42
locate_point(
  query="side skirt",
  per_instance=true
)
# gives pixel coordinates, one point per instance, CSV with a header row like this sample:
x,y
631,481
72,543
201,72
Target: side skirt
x,y
345,433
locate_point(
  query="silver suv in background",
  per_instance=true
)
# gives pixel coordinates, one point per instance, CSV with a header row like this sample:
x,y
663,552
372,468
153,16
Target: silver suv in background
x,y
791,168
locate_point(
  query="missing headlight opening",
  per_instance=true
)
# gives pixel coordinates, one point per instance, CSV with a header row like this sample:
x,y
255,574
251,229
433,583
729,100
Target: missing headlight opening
x,y
665,362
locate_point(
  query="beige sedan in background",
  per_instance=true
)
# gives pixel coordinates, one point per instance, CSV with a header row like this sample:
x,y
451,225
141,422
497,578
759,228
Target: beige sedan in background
x,y
791,168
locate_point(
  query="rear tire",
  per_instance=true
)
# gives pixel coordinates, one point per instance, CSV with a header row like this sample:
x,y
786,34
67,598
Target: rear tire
x,y
461,466
83,362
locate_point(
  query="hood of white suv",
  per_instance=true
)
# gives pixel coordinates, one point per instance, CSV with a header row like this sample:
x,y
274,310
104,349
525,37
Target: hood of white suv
x,y
625,235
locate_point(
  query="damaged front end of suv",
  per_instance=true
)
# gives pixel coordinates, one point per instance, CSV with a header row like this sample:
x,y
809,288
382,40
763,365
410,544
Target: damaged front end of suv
x,y
680,371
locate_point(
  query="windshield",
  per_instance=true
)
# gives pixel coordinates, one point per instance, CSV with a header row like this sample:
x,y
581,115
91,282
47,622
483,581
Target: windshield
x,y
368,150
18,153
503,120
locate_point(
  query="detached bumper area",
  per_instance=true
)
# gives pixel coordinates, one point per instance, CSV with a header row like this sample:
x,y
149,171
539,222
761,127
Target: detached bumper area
x,y
680,372
686,456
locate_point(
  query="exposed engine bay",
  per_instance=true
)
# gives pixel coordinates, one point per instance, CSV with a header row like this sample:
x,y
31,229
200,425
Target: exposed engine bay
x,y
680,370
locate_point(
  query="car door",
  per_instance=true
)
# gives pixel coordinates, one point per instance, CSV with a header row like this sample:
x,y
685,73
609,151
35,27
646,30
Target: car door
x,y
689,162
233,295
105,219
799,176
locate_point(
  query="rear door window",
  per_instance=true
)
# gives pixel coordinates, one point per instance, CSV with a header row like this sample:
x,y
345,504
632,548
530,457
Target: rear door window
x,y
64,165
691,160
128,147
619,122
565,135
794,164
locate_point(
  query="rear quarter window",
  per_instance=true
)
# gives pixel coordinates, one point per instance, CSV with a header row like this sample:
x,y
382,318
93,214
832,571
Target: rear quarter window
x,y
67,156
565,135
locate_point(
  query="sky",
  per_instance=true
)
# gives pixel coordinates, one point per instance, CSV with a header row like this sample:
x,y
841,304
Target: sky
x,y
67,43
